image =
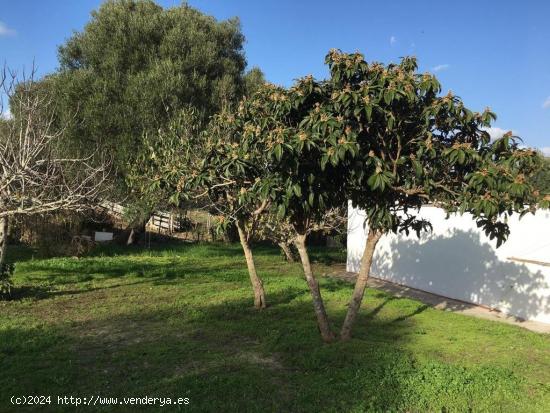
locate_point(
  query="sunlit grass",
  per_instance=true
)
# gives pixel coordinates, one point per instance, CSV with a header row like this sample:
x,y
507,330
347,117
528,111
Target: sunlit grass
x,y
178,321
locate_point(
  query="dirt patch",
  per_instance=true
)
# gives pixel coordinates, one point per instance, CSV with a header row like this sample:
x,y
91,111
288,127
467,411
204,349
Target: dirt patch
x,y
260,360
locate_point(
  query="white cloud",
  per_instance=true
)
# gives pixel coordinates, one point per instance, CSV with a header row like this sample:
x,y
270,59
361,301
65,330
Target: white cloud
x,y
5,30
393,40
546,103
497,133
441,67
6,114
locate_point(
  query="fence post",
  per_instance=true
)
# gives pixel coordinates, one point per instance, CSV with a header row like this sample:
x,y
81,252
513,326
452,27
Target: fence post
x,y
171,223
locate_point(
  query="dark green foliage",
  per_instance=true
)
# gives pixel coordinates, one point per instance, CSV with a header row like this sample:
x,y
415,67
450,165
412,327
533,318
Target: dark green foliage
x,y
263,148
135,66
383,137
254,79
6,283
416,147
541,180
380,136
159,171
230,171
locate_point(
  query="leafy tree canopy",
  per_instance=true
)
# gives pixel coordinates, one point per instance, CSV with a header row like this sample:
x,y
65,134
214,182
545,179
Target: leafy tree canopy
x,y
135,66
417,147
541,180
254,79
383,137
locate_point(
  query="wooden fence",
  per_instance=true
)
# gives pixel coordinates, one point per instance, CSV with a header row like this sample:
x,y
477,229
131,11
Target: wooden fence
x,y
173,223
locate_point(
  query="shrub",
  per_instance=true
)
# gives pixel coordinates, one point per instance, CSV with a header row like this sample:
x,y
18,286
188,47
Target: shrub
x,y
6,284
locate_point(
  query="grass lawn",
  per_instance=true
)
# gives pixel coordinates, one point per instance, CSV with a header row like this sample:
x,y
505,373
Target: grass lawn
x,y
179,322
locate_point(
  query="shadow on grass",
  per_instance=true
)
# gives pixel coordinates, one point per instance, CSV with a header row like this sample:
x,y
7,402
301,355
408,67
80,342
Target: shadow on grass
x,y
380,307
230,357
221,249
20,253
171,267
68,271
327,256
165,249
41,292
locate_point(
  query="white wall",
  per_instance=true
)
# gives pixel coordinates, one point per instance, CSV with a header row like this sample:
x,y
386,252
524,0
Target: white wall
x,y
100,236
458,261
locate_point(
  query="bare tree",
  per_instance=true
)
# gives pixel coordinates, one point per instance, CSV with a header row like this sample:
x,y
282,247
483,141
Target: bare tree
x,y
35,175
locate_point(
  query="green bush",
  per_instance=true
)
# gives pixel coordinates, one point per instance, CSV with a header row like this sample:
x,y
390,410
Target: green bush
x,y
6,284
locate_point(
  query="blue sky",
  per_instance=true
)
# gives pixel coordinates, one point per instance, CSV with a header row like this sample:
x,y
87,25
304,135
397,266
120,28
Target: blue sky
x,y
491,53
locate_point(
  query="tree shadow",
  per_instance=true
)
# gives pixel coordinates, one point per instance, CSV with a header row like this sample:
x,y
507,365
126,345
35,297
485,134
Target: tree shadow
x,y
327,256
169,269
174,249
42,292
69,271
419,310
20,253
179,248
461,266
380,306
225,357
44,276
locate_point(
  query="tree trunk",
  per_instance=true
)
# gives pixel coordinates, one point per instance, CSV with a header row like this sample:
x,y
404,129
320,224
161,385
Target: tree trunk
x,y
288,252
360,284
313,284
131,236
3,239
257,286
137,229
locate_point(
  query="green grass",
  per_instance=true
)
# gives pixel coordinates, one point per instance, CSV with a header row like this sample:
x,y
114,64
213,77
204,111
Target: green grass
x,y
179,322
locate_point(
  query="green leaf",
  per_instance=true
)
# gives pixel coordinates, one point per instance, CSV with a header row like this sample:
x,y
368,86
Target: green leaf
x,y
281,211
373,181
324,160
368,112
391,120
417,168
387,97
278,150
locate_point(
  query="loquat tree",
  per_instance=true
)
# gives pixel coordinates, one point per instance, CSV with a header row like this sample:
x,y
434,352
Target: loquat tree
x,y
385,138
415,147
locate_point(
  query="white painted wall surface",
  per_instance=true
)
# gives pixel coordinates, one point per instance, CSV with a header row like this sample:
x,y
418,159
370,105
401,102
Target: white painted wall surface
x,y
100,236
458,261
